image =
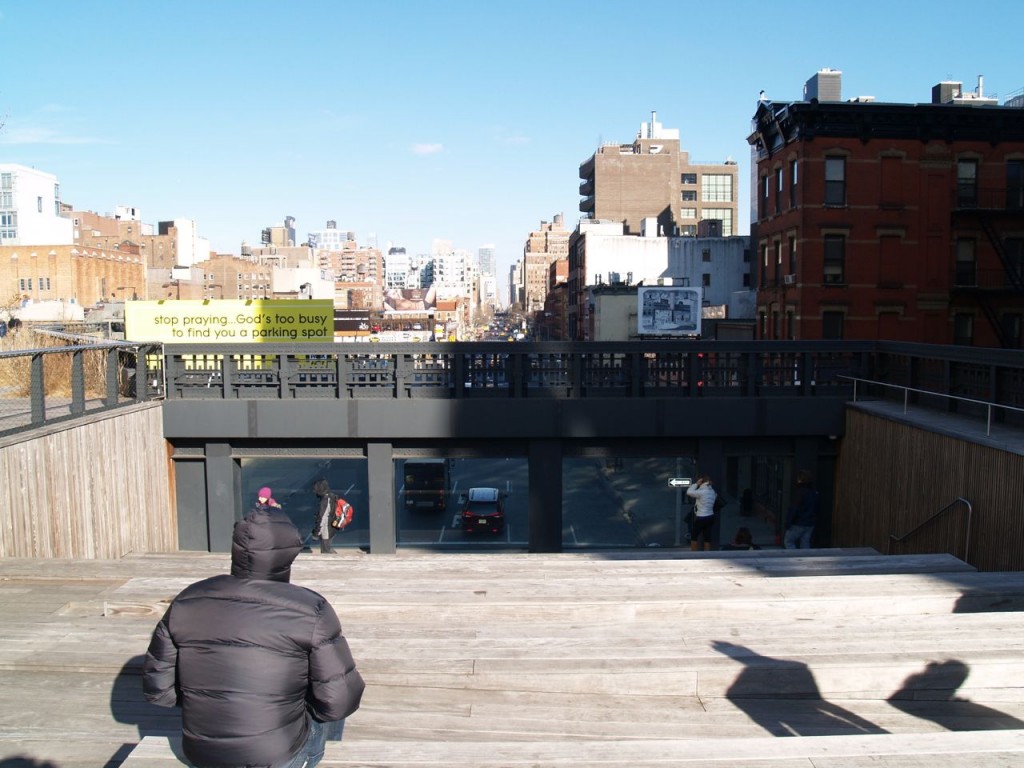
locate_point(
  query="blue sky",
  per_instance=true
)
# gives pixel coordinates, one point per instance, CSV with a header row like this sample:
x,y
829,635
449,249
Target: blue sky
x,y
421,119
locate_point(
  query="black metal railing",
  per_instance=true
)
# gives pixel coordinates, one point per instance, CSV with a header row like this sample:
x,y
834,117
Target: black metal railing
x,y
894,539
522,370
44,385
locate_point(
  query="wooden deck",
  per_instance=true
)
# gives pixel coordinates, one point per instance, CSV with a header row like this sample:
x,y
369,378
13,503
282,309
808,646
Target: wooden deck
x,y
633,658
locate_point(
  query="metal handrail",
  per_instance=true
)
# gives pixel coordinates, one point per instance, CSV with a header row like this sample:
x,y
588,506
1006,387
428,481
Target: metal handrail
x,y
906,398
894,539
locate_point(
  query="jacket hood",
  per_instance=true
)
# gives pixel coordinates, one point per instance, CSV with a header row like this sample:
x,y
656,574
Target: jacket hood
x,y
264,545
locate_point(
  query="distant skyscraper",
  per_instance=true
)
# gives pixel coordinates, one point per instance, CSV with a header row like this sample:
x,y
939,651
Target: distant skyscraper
x,y
485,255
544,246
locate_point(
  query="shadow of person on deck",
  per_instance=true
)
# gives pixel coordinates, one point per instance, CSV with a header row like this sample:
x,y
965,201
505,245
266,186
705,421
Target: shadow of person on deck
x,y
128,705
931,695
782,697
25,762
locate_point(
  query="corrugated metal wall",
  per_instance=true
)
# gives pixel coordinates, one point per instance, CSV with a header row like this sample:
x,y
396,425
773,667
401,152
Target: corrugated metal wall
x,y
893,476
96,490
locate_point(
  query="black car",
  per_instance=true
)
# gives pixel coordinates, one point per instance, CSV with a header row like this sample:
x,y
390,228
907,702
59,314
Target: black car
x,y
483,511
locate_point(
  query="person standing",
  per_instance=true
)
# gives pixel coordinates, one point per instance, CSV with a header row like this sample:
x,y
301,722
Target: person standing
x,y
259,667
803,515
322,528
703,495
265,498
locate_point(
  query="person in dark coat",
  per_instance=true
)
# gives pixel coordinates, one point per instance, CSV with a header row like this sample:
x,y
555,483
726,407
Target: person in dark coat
x,y
259,666
803,515
322,528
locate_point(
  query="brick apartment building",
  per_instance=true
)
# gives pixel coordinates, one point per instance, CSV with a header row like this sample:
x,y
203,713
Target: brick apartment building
x,y
651,177
890,221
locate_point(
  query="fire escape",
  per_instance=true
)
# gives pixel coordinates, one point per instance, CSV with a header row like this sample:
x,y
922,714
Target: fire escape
x,y
993,213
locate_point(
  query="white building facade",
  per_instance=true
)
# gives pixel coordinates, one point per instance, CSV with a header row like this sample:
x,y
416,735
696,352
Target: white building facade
x,y
30,208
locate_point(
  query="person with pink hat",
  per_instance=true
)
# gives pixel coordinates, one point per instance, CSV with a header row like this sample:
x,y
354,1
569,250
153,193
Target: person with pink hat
x,y
265,498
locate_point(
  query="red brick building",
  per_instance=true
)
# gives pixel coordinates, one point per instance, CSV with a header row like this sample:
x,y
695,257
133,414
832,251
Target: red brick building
x,y
890,221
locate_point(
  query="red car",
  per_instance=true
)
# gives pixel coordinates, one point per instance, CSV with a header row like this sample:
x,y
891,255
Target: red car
x,y
483,511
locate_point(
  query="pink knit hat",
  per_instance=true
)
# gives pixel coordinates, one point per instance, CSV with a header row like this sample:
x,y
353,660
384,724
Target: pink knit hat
x,y
265,493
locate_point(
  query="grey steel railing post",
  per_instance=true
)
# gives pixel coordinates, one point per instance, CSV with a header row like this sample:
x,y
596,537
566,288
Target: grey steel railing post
x,y
37,389
111,360
78,382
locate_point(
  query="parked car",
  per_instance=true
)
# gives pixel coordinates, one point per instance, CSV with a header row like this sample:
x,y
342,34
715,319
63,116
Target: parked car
x,y
483,511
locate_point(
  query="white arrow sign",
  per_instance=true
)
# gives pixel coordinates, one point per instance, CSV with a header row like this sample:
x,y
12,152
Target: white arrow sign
x,y
679,482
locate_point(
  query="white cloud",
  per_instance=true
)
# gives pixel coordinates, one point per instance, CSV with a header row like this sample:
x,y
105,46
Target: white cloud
x,y
42,135
427,149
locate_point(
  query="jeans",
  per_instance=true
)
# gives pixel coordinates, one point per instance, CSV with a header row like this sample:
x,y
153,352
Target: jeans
x,y
312,751
799,536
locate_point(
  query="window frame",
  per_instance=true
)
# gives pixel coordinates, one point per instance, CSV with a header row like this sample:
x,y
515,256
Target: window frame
x,y
835,181
834,259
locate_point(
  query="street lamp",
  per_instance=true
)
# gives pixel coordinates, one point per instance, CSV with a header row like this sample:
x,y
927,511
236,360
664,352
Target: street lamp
x,y
135,295
177,287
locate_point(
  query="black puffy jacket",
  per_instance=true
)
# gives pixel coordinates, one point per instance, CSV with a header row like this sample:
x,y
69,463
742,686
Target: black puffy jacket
x,y
249,656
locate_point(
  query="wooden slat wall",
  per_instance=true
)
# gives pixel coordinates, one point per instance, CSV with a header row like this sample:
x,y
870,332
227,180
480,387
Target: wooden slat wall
x,y
98,488
893,476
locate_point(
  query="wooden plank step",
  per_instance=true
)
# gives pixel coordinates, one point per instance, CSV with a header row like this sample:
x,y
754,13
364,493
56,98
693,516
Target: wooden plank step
x,y
944,749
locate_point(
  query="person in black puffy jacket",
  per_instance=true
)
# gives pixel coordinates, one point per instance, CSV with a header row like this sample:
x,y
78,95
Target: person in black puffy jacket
x,y
259,667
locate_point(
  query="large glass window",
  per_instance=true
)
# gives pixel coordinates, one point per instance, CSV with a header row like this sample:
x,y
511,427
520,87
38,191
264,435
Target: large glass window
x,y
716,188
1014,247
963,329
835,181
1015,184
6,191
966,267
689,195
792,183
967,183
832,324
8,225
835,259
723,214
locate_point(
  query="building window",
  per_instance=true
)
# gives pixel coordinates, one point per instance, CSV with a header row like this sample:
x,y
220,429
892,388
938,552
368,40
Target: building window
x,y
966,273
8,225
792,183
705,279
689,178
835,181
963,329
689,195
1014,249
39,204
705,255
21,284
1012,329
835,260
764,265
716,188
778,262
1015,184
967,183
792,254
6,191
790,325
832,324
746,279
778,190
762,199
724,215
687,213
